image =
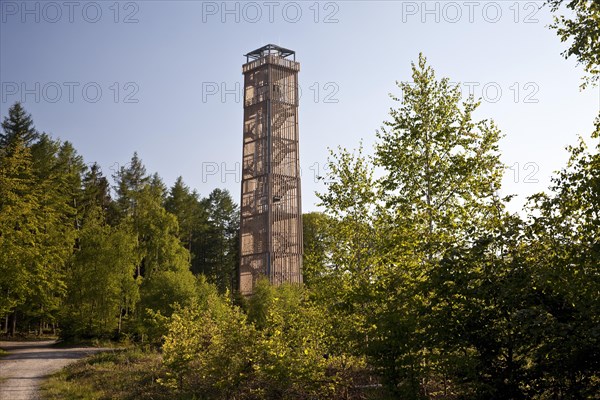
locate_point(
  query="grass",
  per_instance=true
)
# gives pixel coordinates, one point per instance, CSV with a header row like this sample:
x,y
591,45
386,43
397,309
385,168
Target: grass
x,y
120,374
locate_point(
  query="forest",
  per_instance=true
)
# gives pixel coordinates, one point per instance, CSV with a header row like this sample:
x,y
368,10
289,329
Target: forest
x,y
418,282
74,256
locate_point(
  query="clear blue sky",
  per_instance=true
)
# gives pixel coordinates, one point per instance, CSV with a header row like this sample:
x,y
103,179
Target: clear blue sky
x,y
169,56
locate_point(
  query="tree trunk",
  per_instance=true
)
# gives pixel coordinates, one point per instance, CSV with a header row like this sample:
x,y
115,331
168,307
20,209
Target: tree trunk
x,y
13,330
190,248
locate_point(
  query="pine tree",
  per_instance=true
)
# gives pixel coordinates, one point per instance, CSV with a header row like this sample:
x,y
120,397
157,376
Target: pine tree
x,y
96,192
58,169
18,226
129,181
18,124
191,216
219,250
163,269
41,185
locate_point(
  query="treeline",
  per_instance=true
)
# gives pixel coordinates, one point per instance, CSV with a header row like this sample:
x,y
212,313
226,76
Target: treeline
x,y
97,261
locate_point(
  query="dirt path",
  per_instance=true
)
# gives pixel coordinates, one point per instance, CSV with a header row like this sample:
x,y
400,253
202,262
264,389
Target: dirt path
x,y
29,363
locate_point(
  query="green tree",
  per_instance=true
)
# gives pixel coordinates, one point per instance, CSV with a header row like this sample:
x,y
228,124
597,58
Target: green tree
x,y
317,246
484,317
162,268
583,30
45,176
130,179
157,230
346,286
562,241
514,314
191,216
219,249
442,169
18,225
440,172
58,169
100,279
18,124
96,193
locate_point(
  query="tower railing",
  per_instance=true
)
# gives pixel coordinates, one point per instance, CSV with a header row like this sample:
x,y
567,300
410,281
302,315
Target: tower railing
x,y
271,59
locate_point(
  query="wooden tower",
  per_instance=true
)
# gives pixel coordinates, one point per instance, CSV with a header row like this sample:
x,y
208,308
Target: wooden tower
x,y
271,216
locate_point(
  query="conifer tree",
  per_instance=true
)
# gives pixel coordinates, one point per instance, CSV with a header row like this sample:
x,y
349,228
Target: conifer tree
x,y
18,124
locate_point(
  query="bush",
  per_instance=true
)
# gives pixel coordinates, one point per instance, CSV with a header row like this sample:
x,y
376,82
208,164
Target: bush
x,y
278,351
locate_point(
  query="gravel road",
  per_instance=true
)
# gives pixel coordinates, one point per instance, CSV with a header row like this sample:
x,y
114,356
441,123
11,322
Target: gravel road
x,y
29,363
